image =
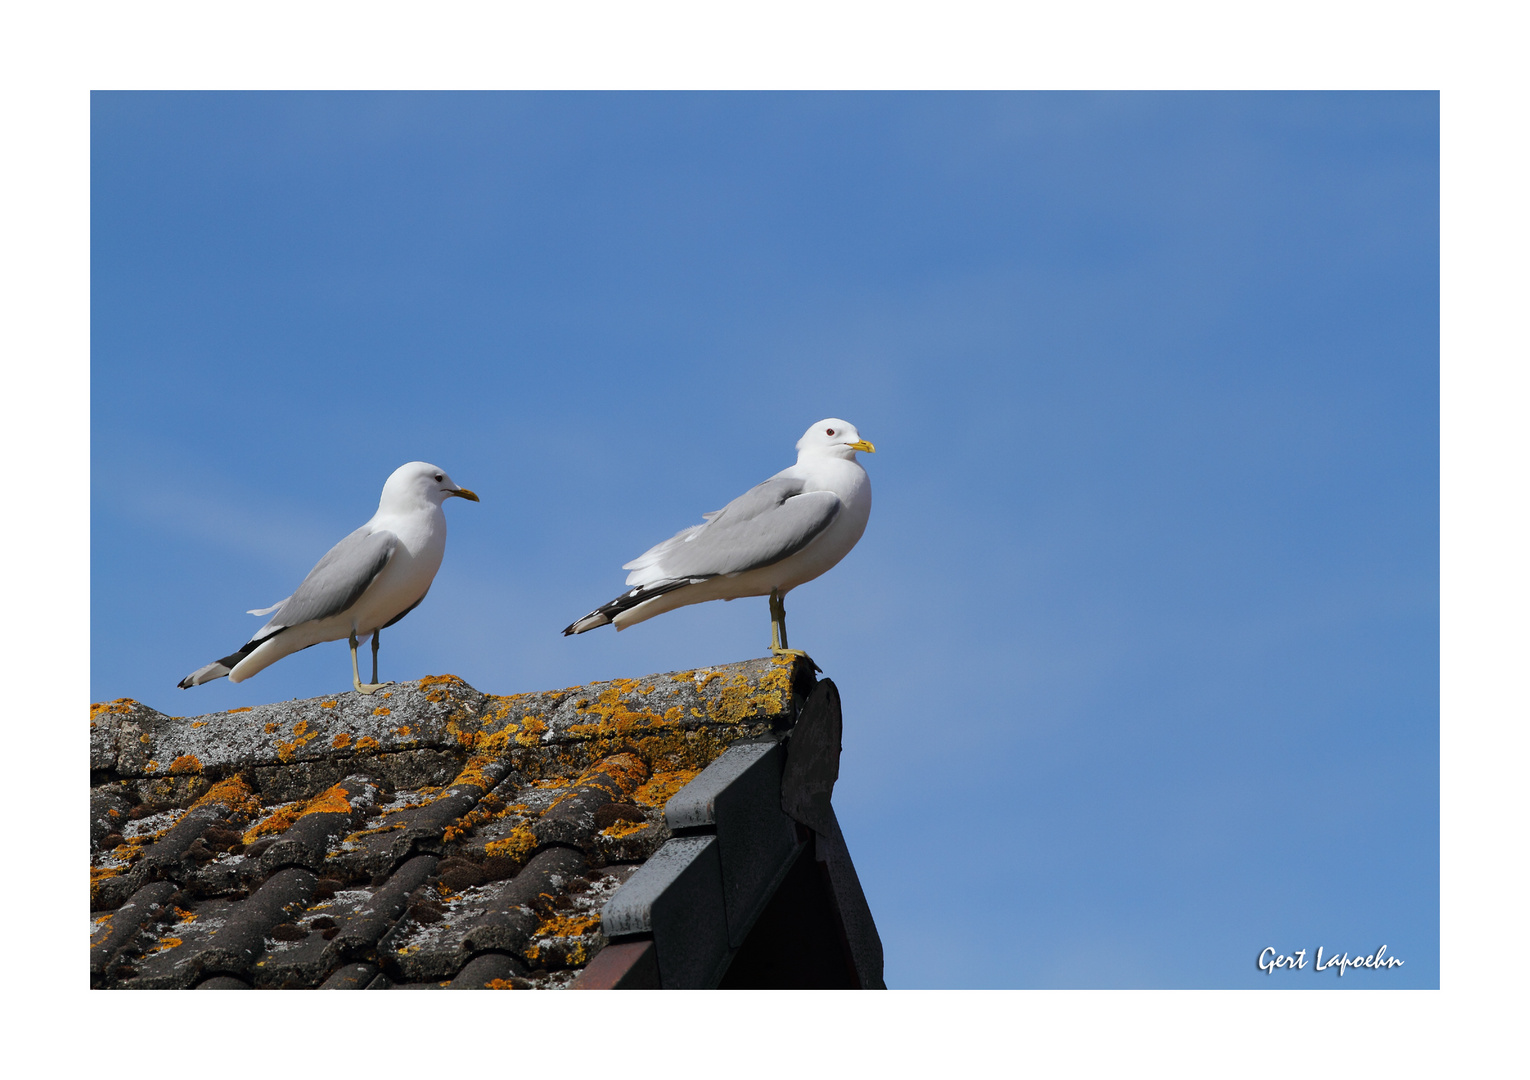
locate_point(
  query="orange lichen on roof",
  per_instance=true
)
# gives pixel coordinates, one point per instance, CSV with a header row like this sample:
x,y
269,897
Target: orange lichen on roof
x,y
341,741
568,925
301,737
741,698
531,730
199,723
271,728
613,713
471,820
625,770
520,843
233,794
278,821
499,984
328,704
440,684
380,711
356,836
121,705
623,828
487,749
165,945
332,800
186,763
243,708
662,786
151,766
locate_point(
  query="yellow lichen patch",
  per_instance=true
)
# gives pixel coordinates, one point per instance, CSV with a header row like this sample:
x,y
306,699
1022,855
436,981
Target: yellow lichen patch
x,y
741,699
271,728
328,704
627,770
165,945
531,730
243,708
332,800
499,984
184,916
520,843
278,821
199,723
146,739
403,731
355,836
301,737
151,766
701,682
662,786
439,685
488,748
623,828
380,711
341,741
365,743
186,763
568,925
233,794
121,705
612,712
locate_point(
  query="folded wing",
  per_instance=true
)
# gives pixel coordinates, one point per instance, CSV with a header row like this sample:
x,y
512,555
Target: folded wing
x,y
766,524
336,582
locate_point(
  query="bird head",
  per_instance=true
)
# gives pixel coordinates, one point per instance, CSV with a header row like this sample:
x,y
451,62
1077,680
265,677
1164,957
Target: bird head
x,y
832,438
421,481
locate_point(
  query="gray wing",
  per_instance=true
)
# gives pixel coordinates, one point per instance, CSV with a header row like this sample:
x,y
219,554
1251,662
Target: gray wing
x,y
762,526
337,581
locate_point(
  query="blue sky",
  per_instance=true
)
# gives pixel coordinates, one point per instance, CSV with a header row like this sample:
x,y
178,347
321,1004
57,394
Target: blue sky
x,y
1140,650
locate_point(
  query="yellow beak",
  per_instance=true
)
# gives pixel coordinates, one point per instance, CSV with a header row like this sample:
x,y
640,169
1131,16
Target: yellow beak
x,y
462,493
863,445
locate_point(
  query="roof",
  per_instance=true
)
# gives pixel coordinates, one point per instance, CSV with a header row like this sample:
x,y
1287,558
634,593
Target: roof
x,y
673,831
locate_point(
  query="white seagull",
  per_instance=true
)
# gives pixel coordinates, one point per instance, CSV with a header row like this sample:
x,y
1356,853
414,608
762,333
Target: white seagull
x,y
766,542
368,581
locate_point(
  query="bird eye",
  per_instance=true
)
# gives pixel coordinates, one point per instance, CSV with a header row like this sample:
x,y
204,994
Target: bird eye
x,y
439,477
829,432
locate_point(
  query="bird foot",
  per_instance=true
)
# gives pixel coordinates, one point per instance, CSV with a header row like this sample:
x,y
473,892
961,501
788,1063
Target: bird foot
x,y
369,688
799,653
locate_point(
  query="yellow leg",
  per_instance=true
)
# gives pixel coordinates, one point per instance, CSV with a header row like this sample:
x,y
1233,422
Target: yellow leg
x,y
778,630
361,687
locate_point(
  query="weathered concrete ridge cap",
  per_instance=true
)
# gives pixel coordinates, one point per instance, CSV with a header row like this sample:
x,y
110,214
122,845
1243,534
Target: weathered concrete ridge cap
x,y
129,740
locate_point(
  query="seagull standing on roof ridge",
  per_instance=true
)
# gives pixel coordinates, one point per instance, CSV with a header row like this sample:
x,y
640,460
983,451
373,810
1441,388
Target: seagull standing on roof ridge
x,y
366,583
766,542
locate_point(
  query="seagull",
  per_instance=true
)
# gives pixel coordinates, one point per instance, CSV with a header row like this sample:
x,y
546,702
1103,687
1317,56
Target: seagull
x,y
368,581
766,542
